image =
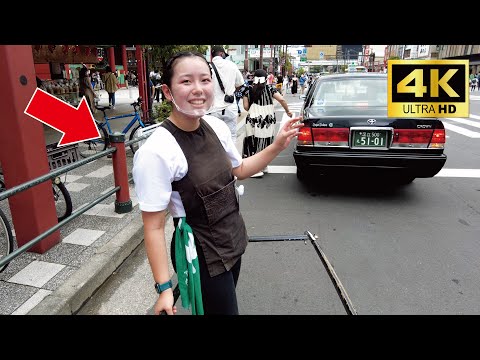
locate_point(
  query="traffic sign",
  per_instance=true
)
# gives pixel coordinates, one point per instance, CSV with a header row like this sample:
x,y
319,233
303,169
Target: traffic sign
x,y
321,55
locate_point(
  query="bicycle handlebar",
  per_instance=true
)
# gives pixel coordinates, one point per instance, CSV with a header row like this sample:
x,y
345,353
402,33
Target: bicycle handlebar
x,y
138,102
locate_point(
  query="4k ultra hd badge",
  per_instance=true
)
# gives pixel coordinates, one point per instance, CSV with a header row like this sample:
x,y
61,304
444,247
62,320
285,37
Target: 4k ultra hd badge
x,y
428,88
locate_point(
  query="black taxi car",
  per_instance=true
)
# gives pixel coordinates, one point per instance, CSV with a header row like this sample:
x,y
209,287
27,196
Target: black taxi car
x,y
347,132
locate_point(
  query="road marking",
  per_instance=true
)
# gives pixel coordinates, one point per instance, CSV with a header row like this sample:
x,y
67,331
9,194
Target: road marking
x,y
466,122
464,173
461,173
278,169
240,125
462,131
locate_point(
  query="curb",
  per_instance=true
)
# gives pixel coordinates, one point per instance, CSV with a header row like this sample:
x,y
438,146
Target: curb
x,y
82,284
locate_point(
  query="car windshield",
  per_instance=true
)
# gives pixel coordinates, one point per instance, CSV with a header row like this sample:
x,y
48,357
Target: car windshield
x,y
351,92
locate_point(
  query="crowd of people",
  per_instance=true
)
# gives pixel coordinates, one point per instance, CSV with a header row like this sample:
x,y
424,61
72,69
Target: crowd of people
x,y
474,82
285,84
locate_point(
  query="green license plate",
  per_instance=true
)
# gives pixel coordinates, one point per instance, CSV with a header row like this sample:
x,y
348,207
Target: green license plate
x,y
369,138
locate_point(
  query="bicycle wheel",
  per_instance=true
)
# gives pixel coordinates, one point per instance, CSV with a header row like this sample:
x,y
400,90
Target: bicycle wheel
x,y
63,201
91,147
134,147
6,238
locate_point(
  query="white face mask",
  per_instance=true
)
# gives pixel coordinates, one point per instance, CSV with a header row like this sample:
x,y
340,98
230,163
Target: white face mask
x,y
192,112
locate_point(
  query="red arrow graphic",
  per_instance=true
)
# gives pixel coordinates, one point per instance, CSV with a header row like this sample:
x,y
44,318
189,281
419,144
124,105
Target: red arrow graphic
x,y
76,124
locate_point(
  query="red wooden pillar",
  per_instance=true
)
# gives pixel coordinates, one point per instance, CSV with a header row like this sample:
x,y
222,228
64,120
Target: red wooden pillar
x,y
141,79
22,150
111,58
67,71
124,62
146,75
124,58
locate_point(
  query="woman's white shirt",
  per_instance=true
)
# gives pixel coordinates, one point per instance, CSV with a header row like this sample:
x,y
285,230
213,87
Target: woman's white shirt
x,y
160,161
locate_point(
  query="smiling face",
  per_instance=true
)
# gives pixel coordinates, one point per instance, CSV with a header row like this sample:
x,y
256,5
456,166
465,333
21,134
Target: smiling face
x,y
191,87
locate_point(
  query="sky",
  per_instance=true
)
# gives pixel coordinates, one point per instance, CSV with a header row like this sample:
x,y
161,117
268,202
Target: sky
x,y
378,49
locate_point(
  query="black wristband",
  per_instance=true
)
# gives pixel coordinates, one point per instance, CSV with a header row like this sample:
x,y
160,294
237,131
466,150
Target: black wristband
x,y
162,287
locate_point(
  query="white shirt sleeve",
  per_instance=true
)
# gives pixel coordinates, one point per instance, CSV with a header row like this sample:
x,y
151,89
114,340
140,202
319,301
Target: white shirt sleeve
x,y
156,164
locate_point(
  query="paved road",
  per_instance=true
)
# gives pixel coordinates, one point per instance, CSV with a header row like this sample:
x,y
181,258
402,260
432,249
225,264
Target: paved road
x,y
288,278
408,251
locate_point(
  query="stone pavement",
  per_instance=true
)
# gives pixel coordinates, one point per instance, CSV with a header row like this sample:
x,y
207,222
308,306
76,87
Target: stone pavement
x,y
92,245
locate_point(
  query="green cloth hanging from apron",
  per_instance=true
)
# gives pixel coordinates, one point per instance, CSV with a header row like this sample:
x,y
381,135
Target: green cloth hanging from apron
x,y
188,269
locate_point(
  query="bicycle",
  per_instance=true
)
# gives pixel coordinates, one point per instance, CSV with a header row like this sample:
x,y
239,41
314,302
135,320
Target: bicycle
x,y
61,196
6,238
91,147
6,235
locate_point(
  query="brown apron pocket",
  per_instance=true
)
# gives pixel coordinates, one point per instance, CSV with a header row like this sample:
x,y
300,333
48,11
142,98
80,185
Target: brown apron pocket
x,y
220,203
224,221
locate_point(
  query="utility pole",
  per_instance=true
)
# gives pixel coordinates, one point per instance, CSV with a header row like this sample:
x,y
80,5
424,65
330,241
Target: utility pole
x,y
272,54
261,57
245,62
285,64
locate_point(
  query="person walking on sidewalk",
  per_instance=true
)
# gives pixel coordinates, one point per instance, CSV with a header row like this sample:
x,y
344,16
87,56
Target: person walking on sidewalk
x,y
111,86
285,84
85,88
228,80
302,82
279,83
189,165
294,86
260,120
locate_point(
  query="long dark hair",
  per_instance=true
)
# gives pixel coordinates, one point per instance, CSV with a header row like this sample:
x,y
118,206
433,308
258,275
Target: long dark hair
x,y
82,73
257,89
168,71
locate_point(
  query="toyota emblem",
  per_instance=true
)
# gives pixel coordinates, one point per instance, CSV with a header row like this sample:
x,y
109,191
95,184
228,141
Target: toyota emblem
x,y
371,121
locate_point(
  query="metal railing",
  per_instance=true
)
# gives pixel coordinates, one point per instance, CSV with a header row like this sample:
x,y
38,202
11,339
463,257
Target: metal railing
x,y
122,203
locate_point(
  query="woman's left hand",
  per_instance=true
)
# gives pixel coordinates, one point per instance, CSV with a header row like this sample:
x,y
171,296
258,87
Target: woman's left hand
x,y
288,132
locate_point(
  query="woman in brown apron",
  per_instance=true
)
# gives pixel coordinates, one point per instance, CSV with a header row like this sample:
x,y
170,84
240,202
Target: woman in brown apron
x,y
189,165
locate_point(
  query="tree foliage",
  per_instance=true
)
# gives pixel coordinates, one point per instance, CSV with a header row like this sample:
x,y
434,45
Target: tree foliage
x,y
158,55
